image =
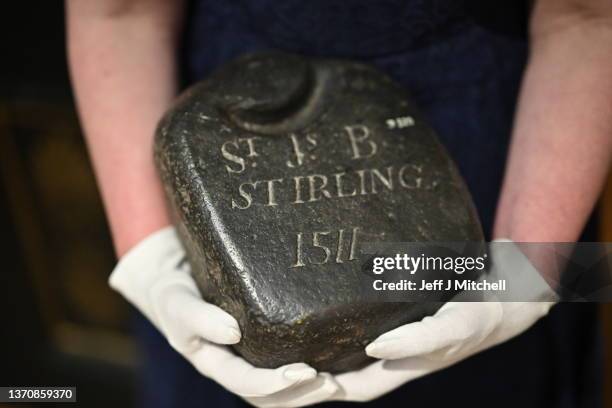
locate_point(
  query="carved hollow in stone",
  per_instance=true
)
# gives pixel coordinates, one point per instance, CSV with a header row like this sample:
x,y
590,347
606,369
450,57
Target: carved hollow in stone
x,y
277,168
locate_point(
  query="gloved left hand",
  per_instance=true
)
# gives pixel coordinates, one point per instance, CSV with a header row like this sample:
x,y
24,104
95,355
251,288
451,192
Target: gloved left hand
x,y
155,278
457,331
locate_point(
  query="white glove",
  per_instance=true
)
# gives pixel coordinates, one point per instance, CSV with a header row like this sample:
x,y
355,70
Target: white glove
x,y
457,331
155,277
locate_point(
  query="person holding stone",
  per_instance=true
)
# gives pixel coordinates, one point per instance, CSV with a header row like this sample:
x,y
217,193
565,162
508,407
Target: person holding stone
x,y
535,172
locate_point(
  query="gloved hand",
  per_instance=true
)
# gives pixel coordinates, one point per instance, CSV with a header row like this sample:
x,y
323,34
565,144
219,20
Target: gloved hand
x,y
457,331
155,277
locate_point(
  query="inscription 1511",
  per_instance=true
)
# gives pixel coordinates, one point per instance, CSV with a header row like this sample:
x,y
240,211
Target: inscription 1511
x,y
277,168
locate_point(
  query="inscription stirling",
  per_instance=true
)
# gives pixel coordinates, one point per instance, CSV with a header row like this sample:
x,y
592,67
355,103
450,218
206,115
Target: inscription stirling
x,y
315,187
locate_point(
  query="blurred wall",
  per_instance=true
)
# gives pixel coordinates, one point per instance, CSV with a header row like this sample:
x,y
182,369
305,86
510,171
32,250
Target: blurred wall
x,y
64,326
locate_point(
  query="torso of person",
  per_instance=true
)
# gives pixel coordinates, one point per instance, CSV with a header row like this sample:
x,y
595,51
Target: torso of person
x,y
462,62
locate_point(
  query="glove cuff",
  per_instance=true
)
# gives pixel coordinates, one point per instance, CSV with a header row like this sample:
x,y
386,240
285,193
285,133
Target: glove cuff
x,y
142,266
526,283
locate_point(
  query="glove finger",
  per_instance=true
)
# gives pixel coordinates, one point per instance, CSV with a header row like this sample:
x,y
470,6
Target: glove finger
x,y
207,321
238,376
453,325
313,392
382,377
185,317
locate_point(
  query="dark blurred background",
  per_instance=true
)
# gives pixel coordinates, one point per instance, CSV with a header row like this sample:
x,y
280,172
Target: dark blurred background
x,y
62,325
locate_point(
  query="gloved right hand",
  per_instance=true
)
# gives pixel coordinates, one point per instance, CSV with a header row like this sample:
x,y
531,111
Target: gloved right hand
x,y
155,277
458,330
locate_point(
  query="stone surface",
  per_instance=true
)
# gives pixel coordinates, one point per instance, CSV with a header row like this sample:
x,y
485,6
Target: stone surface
x,y
277,168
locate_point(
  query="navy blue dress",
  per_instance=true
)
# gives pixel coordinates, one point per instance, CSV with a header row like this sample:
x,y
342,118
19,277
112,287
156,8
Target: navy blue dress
x,y
462,62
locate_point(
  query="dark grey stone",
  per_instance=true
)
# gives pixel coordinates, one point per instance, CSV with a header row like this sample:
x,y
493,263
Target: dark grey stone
x,y
277,167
